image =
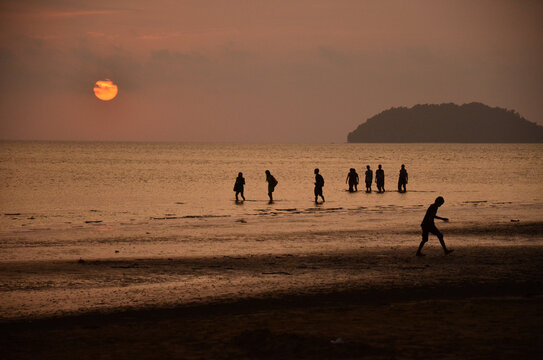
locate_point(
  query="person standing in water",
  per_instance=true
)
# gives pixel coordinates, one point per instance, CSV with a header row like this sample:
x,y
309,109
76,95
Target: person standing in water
x,y
380,179
272,183
319,183
352,180
239,185
428,226
402,179
369,178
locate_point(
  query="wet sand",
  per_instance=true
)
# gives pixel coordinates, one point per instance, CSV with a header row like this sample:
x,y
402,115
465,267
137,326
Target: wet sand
x,y
482,302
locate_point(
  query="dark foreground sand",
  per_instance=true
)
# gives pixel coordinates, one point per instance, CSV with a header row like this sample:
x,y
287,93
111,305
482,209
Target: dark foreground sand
x,y
487,303
469,322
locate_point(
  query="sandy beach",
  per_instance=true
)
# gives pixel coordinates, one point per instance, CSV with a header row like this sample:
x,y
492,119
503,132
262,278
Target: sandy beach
x,y
481,302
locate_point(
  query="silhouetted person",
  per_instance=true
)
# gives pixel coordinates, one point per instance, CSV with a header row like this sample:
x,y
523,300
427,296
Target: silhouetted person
x,y
272,183
369,178
402,179
239,185
428,226
352,180
380,179
319,183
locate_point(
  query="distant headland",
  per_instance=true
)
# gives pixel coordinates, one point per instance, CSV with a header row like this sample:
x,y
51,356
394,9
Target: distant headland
x,y
432,123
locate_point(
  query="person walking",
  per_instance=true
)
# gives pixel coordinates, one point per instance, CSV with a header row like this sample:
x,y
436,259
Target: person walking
x,y
319,183
380,179
428,226
402,179
369,178
352,180
272,183
239,185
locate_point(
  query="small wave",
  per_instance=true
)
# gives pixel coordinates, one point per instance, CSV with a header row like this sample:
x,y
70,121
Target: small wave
x,y
323,209
203,216
186,217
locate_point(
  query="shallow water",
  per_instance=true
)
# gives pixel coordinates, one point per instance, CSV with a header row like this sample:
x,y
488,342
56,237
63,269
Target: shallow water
x,y
51,191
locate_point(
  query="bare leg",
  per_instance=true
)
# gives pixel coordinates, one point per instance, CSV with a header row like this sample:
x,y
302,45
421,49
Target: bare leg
x,y
445,250
424,241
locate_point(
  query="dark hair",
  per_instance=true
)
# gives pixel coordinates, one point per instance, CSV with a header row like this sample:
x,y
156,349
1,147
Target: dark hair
x,y
440,199
240,174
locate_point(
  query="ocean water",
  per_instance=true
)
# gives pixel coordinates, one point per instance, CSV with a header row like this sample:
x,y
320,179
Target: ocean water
x,y
73,195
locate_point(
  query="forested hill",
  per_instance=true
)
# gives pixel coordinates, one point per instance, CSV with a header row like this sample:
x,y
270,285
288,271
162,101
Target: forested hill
x,y
468,123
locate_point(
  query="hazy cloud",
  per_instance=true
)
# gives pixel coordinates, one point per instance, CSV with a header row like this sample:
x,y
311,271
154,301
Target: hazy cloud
x,y
287,71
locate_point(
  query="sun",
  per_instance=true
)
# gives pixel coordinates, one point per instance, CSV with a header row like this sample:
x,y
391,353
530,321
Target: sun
x,y
105,90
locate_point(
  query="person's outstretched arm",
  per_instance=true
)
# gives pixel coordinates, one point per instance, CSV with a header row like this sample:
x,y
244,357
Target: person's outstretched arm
x,y
441,218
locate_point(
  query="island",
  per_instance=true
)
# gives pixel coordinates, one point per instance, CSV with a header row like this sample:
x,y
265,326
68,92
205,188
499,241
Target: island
x,y
447,123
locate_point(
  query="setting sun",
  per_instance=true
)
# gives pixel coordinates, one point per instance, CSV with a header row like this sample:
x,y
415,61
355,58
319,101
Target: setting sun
x,y
105,90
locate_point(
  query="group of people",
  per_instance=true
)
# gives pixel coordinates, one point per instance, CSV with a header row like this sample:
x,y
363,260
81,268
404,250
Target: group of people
x,y
428,226
353,179
239,185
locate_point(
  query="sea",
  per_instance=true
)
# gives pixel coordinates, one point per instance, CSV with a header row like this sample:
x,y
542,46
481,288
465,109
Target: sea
x,y
158,222
53,191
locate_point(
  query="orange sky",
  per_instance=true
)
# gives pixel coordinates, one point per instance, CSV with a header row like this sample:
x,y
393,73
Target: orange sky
x,y
255,71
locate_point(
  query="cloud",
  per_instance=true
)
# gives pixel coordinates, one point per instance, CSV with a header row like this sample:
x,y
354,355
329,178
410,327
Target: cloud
x,y
285,71
70,14
60,8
